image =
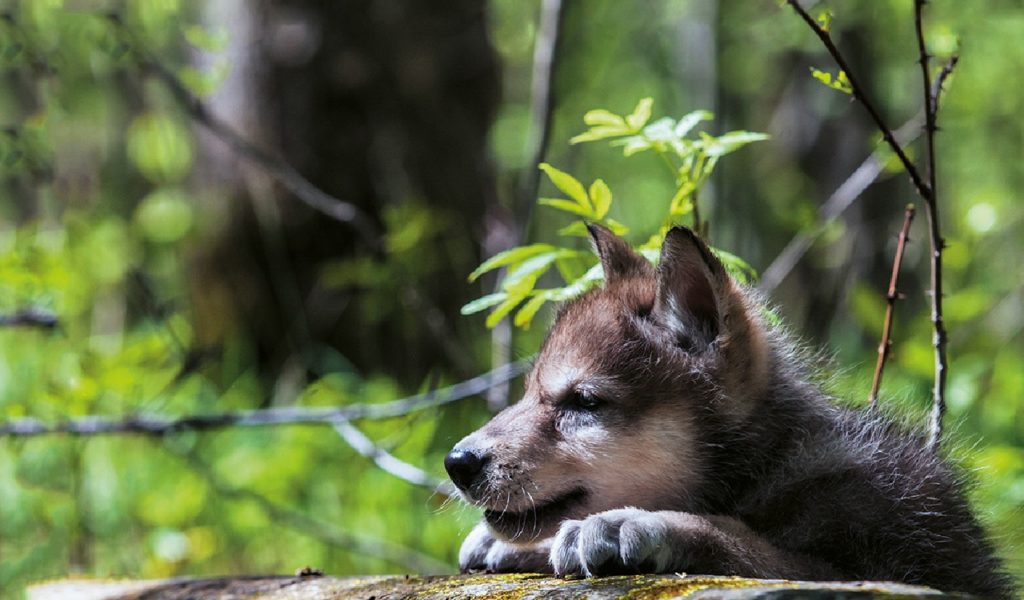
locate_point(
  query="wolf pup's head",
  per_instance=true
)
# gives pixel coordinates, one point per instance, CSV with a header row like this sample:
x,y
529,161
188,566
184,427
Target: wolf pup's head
x,y
612,406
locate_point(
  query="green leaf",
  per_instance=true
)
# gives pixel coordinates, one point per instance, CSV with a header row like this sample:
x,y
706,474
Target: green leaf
x,y
601,132
662,130
503,309
729,142
736,266
825,20
601,197
616,227
690,120
641,114
483,303
603,117
591,278
567,206
840,83
568,184
527,312
681,203
575,229
518,278
572,268
634,144
512,255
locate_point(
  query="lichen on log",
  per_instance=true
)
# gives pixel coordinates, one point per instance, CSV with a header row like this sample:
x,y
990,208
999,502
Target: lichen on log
x,y
462,587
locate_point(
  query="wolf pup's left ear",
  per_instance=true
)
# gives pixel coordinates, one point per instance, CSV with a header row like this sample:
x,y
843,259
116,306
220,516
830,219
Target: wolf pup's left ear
x,y
690,283
618,259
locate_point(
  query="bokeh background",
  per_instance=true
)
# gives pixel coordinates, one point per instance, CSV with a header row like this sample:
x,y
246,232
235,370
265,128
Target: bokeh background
x,y
148,267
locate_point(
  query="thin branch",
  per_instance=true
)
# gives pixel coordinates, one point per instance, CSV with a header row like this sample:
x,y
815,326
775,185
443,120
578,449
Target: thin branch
x,y
841,199
327,533
936,243
30,318
276,167
157,425
542,103
388,462
940,81
542,96
890,299
858,92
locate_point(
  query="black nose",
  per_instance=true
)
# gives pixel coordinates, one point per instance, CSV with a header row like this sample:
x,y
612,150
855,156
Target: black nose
x,y
464,467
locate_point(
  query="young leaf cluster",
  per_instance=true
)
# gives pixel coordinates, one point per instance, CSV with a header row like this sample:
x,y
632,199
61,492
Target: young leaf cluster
x,y
690,159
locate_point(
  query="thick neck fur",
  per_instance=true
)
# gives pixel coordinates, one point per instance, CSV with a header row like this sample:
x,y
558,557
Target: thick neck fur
x,y
849,486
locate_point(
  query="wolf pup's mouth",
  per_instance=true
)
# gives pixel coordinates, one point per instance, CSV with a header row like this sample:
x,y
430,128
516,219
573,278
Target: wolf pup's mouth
x,y
536,521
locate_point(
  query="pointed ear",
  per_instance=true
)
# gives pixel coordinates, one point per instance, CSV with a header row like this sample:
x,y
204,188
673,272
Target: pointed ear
x,y
618,259
691,282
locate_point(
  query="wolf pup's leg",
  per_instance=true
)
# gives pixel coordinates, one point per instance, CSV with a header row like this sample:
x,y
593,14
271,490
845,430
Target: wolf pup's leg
x,y
482,552
631,540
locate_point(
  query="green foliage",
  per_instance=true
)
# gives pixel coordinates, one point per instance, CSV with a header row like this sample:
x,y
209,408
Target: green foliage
x,y
690,159
839,82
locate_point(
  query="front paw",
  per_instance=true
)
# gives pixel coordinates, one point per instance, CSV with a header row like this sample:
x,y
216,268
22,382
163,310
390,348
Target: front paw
x,y
626,540
482,552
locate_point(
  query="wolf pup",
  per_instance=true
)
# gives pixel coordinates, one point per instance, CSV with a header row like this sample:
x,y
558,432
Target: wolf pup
x,y
665,428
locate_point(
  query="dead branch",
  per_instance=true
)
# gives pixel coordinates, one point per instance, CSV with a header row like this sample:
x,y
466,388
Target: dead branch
x,y
296,415
890,299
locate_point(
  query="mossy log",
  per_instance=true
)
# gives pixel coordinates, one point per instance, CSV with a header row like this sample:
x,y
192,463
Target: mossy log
x,y
504,587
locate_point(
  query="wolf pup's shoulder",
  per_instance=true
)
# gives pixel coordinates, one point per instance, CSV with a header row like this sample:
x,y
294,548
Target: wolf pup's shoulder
x,y
665,428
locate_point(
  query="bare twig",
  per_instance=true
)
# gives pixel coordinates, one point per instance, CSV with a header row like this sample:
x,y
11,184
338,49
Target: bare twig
x,y
940,81
388,462
276,167
157,425
858,92
936,243
841,199
30,318
890,299
925,189
327,533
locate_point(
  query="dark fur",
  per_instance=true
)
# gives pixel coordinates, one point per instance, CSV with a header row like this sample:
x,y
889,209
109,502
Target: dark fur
x,y
852,489
780,481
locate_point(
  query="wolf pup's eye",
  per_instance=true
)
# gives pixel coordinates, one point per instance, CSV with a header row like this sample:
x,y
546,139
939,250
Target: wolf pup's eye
x,y
583,400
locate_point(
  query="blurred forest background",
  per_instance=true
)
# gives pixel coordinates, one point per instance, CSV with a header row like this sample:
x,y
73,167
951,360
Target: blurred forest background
x,y
147,267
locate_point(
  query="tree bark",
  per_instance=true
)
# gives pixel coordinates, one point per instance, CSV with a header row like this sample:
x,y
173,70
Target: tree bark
x,y
478,586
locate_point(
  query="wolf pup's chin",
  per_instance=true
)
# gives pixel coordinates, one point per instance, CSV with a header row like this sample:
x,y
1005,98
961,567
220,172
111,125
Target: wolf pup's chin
x,y
665,427
539,520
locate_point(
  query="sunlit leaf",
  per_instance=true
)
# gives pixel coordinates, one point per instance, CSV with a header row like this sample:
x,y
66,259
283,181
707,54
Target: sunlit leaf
x,y
503,309
483,303
575,229
507,257
840,82
691,120
641,114
601,197
603,117
568,184
567,206
825,20
525,315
